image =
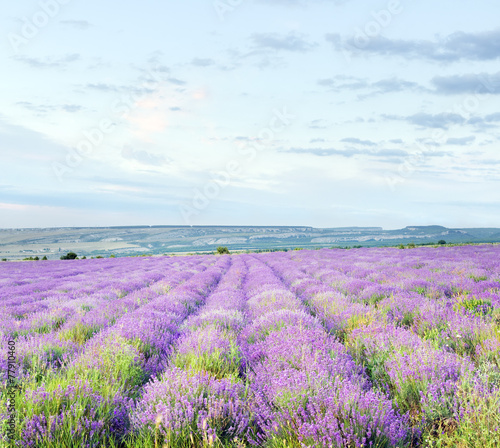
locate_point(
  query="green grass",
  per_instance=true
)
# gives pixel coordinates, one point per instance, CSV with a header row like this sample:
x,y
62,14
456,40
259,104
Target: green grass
x,y
221,364
85,392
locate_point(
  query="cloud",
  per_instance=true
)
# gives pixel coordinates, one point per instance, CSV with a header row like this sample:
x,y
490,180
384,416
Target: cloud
x,y
492,117
342,82
78,24
26,147
71,108
48,62
468,83
42,109
133,88
293,42
462,141
357,141
103,87
178,82
39,109
322,152
486,122
142,156
202,62
318,124
394,85
326,152
441,121
483,46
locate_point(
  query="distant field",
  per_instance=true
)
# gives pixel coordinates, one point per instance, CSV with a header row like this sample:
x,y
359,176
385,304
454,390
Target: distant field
x,y
372,347
16,244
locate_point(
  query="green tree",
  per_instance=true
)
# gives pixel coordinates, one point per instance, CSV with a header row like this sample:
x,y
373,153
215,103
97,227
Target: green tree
x,y
44,257
69,256
441,242
221,250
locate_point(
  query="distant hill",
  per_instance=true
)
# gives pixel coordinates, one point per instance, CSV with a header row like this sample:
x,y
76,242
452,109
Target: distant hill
x,y
134,240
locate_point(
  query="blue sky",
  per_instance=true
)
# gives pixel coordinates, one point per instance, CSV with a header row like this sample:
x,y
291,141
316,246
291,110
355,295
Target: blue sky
x,y
323,113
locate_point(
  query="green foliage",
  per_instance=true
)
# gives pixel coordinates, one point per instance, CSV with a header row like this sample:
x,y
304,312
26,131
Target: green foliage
x,y
419,289
4,259
411,245
475,306
478,278
375,299
477,427
69,256
84,392
99,256
221,250
79,332
45,257
441,242
112,256
219,364
401,246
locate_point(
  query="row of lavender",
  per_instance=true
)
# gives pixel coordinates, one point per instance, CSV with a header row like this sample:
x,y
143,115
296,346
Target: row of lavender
x,y
253,367
422,324
56,325
108,353
377,347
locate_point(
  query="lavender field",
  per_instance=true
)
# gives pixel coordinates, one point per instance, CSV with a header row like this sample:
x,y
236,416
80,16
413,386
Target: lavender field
x,y
353,348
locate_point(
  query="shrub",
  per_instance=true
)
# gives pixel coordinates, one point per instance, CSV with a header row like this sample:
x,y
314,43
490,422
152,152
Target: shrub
x,y
411,246
401,246
112,256
441,242
4,259
45,257
222,250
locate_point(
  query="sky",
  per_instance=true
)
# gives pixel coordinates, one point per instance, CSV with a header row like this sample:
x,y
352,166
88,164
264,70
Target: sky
x,y
323,113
